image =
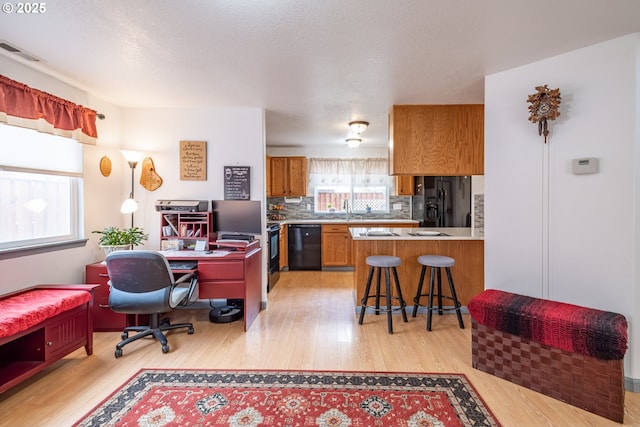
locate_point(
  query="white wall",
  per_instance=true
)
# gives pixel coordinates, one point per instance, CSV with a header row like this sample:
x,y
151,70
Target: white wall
x,y
549,233
234,136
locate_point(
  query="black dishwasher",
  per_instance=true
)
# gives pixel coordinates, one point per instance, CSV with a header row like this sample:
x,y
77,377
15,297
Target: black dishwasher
x,y
305,251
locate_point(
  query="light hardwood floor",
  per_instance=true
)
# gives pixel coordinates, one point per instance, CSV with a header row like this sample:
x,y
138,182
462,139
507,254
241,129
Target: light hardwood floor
x,y
310,323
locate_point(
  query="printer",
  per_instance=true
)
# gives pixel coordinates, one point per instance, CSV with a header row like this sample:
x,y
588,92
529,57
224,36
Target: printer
x,y
182,205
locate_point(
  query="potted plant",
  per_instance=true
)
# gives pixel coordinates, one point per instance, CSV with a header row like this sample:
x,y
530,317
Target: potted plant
x,y
113,238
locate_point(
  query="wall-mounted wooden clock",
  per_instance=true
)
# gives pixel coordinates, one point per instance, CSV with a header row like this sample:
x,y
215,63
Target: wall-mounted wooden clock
x,y
544,106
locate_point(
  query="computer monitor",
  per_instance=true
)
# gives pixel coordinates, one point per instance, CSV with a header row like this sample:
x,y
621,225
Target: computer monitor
x,y
237,216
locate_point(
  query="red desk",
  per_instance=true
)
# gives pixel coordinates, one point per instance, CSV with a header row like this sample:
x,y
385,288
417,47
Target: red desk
x,y
236,275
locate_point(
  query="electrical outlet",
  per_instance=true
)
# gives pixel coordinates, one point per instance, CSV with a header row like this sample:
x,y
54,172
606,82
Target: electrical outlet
x,y
397,206
308,206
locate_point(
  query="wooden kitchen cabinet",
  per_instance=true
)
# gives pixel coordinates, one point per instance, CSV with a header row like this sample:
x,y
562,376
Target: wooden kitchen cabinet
x,y
404,185
288,176
468,273
336,245
268,173
436,140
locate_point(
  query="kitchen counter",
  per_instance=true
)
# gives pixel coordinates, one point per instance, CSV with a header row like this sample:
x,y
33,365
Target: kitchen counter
x,y
344,221
460,244
411,233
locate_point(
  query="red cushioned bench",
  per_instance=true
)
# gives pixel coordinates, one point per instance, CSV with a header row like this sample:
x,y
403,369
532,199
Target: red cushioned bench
x,y
41,325
568,352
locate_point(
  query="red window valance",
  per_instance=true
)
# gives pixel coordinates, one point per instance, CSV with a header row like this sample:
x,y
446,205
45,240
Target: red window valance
x,y
18,100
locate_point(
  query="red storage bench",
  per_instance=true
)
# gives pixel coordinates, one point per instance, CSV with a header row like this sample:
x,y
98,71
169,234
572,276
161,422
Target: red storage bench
x,y
568,352
41,325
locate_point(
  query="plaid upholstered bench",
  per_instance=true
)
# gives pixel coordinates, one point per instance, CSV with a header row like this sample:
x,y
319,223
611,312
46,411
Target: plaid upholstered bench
x,y
568,352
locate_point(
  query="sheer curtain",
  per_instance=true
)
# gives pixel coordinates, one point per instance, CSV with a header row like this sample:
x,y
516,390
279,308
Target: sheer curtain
x,y
348,172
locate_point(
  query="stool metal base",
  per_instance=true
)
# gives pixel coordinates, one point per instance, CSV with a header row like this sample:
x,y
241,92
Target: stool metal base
x,y
430,308
387,296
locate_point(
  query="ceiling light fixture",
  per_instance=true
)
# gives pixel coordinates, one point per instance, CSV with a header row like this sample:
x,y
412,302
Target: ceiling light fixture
x,y
353,142
358,126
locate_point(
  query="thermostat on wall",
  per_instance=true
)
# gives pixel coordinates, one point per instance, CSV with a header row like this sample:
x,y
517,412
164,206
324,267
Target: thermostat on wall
x,y
582,166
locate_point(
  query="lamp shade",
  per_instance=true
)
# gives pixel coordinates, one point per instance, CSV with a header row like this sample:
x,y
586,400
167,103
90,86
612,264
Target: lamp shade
x,y
358,126
129,206
132,156
353,142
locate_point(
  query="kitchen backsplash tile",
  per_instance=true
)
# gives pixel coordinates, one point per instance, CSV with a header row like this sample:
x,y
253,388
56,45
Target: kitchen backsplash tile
x,y
299,210
478,214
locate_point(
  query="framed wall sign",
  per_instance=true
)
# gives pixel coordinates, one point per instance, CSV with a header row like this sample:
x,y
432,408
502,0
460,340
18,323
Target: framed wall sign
x,y
237,180
193,160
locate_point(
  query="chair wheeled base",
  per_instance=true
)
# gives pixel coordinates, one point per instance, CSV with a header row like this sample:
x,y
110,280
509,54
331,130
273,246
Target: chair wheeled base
x,y
156,329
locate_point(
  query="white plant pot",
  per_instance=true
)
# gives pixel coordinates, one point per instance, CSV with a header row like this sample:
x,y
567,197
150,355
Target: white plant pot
x,y
108,249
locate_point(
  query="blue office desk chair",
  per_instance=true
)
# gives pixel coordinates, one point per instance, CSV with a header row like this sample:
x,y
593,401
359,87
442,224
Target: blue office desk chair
x,y
141,282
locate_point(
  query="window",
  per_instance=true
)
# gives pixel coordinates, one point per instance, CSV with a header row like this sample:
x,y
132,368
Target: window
x,y
364,183
40,188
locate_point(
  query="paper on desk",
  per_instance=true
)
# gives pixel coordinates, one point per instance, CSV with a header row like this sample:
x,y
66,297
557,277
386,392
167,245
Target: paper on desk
x,y
193,254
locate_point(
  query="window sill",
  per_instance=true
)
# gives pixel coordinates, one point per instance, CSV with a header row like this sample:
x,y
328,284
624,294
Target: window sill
x,y
39,249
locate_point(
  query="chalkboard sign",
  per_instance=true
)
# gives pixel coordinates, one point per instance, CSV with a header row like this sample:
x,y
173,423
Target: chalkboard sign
x,y
237,182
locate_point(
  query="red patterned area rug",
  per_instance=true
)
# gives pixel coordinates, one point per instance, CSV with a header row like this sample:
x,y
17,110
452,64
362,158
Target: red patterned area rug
x,y
291,398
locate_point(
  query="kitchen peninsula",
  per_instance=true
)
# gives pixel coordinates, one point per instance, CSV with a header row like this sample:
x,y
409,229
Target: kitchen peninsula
x,y
408,244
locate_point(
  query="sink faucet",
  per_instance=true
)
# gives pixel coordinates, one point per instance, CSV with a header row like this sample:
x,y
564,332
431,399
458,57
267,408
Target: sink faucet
x,y
345,206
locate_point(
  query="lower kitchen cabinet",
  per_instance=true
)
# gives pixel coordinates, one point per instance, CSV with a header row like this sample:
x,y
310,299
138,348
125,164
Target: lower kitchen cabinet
x,y
337,242
336,245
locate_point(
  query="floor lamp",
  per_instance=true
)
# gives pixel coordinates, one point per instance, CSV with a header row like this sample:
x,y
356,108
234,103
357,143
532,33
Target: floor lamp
x,y
129,206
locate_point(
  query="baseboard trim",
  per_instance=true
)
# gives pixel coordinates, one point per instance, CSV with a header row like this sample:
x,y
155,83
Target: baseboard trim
x,y
421,309
632,384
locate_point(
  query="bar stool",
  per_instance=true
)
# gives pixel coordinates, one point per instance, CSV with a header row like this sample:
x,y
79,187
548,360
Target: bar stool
x,y
387,263
435,263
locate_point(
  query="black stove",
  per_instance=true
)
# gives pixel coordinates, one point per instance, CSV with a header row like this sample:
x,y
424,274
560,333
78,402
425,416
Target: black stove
x,y
273,239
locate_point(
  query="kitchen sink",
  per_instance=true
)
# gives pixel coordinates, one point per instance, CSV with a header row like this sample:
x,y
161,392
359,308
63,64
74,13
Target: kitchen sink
x,y
428,234
379,233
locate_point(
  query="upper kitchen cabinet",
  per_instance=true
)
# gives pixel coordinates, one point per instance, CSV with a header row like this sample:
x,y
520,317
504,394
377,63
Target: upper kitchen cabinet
x,y
268,171
403,185
436,140
288,176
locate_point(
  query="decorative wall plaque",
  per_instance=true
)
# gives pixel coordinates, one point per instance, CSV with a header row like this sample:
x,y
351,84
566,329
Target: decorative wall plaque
x,y
237,180
105,166
193,160
149,179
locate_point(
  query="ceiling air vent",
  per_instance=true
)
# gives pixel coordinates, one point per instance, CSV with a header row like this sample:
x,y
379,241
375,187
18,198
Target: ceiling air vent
x,y
21,53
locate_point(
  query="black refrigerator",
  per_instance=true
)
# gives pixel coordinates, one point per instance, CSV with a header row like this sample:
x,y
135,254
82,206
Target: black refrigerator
x,y
442,201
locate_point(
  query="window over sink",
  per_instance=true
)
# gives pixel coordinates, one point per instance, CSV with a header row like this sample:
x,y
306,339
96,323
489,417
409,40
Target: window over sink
x,y
360,185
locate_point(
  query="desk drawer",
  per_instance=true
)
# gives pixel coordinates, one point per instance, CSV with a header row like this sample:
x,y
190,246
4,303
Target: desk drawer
x,y
221,270
97,274
105,319
220,289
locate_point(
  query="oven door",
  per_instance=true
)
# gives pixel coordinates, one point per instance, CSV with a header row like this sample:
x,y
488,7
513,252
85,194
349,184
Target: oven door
x,y
274,257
